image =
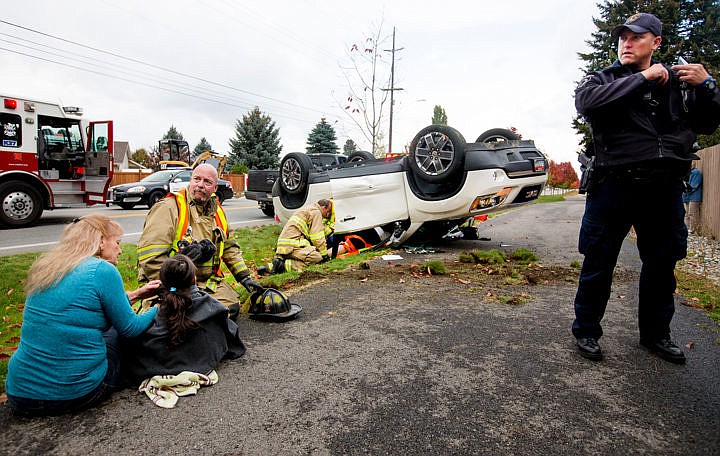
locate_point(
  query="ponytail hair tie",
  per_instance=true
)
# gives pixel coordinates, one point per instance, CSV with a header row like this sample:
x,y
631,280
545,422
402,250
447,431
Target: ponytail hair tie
x,y
173,289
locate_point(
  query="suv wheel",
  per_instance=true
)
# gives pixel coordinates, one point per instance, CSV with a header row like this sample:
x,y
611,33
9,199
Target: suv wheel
x,y
437,153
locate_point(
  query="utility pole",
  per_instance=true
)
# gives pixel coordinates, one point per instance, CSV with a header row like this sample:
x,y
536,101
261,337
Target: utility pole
x,y
392,89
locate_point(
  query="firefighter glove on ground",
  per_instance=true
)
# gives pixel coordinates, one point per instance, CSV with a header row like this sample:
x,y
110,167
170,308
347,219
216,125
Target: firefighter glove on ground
x,y
251,285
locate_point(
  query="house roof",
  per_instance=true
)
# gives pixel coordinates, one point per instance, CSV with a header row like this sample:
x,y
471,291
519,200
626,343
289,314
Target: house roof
x,y
121,150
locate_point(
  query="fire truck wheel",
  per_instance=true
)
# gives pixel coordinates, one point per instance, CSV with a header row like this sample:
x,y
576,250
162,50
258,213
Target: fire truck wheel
x,y
20,204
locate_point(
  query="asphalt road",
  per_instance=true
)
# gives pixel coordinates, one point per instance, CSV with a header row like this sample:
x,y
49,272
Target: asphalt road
x,y
386,363
47,231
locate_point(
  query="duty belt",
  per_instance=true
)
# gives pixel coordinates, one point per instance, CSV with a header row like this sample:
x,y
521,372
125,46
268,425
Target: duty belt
x,y
638,174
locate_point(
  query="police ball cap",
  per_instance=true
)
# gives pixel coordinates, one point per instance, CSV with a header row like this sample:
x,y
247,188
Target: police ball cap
x,y
640,23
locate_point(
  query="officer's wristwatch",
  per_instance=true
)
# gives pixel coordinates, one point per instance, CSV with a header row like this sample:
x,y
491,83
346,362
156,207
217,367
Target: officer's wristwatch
x,y
709,84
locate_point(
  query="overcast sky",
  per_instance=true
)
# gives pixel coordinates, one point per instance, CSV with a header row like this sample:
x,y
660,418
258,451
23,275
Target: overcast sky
x,y
200,65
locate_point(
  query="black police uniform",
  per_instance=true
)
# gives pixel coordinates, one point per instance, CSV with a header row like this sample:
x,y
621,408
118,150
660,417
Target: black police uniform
x,y
643,135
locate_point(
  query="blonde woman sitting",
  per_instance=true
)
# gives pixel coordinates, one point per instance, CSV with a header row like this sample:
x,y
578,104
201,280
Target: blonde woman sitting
x,y
76,305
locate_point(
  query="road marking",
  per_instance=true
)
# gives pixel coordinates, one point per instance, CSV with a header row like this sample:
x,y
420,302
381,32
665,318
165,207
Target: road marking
x,y
126,235
143,214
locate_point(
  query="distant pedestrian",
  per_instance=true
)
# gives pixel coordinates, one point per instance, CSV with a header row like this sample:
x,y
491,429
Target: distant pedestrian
x,y
644,117
692,198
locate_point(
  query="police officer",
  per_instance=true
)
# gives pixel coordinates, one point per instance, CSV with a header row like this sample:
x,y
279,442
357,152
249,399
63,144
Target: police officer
x,y
644,117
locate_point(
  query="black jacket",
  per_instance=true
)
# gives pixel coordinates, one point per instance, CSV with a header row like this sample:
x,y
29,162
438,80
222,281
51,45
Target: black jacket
x,y
633,120
201,351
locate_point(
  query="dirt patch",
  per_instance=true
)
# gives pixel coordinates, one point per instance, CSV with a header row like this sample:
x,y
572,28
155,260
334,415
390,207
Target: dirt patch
x,y
510,282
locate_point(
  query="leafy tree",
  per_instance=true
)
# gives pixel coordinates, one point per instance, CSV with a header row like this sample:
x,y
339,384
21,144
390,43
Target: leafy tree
x,y
173,133
142,157
349,147
257,143
691,29
439,116
202,146
562,175
368,77
321,139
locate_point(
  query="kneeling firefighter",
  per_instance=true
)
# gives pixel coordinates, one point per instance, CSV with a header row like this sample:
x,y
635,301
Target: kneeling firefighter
x,y
303,240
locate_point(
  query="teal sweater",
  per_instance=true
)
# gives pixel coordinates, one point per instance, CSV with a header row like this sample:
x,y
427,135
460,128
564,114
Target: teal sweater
x,y
62,352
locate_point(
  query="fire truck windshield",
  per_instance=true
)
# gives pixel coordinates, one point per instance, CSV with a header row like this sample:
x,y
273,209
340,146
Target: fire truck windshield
x,y
60,139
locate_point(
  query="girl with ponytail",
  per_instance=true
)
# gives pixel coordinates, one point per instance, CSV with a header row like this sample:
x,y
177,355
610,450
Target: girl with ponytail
x,y
191,332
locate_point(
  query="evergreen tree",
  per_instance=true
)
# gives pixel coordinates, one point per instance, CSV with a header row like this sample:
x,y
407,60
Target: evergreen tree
x,y
173,133
439,116
256,144
691,29
321,139
349,147
202,146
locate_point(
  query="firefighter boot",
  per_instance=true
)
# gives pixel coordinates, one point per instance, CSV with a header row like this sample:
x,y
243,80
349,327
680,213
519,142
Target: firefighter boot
x,y
278,265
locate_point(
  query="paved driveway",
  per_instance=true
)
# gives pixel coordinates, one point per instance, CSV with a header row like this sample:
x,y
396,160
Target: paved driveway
x,y
383,362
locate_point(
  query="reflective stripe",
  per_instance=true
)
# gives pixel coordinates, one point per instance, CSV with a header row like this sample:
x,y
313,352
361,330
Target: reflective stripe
x,y
293,242
316,236
301,224
153,250
237,268
330,223
182,205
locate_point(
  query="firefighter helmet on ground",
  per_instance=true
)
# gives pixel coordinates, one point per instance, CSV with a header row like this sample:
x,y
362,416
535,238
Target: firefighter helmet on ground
x,y
271,304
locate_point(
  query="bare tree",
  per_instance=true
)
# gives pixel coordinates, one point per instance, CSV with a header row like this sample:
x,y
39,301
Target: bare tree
x,y
367,74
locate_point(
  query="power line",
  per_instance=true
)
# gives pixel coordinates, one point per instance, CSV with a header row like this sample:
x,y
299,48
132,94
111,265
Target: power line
x,y
67,55
144,84
157,67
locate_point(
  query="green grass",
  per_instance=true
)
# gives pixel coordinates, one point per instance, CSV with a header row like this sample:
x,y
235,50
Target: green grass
x,y
550,198
700,292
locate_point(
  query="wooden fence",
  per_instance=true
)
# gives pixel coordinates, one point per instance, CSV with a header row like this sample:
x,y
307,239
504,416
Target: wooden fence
x,y
125,177
709,166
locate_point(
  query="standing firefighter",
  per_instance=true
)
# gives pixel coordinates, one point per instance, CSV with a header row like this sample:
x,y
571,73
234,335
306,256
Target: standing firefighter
x,y
193,216
303,240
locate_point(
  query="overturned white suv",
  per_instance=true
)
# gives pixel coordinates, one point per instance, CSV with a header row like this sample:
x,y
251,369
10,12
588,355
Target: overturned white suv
x,y
436,188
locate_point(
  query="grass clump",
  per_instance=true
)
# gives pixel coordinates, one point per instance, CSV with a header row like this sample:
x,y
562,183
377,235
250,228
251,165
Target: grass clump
x,y
524,256
701,293
432,267
493,256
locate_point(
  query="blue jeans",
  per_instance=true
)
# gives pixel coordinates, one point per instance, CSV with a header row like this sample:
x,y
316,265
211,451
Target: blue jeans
x,y
111,382
655,209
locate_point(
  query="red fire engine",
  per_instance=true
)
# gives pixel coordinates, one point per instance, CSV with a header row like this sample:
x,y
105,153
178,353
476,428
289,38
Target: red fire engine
x,y
50,159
